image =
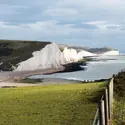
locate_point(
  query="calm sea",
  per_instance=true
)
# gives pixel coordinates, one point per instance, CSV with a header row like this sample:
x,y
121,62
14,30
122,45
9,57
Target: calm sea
x,y
95,70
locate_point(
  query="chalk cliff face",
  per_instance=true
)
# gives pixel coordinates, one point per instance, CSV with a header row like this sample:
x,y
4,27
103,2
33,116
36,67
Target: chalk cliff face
x,y
71,55
49,57
111,53
85,54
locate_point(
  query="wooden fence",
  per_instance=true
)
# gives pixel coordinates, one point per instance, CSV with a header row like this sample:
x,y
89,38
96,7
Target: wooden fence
x,y
104,111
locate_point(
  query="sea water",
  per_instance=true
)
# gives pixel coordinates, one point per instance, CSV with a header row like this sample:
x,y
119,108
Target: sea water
x,y
103,68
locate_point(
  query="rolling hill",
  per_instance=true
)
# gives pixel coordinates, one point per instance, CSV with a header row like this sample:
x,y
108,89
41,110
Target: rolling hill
x,y
14,51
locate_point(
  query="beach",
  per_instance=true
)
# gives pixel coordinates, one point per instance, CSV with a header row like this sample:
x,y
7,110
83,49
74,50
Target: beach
x,y
9,78
15,75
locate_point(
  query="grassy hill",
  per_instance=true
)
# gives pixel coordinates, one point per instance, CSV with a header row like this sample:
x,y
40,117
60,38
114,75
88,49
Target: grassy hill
x,y
100,50
71,104
119,103
14,51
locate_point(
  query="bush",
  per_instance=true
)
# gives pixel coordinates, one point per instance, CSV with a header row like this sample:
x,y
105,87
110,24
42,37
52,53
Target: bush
x,y
119,85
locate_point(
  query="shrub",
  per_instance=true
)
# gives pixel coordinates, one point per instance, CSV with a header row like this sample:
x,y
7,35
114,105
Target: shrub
x,y
119,85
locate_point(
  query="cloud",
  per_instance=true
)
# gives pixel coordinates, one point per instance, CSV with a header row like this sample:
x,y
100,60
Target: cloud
x,y
102,3
28,2
103,25
61,12
44,29
96,22
83,22
11,9
113,27
85,26
112,2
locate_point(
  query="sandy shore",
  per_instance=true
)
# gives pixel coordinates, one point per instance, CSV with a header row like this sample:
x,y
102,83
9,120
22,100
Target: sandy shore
x,y
8,79
13,75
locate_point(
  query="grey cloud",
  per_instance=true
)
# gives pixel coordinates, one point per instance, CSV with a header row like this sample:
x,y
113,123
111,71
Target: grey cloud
x,y
112,27
85,26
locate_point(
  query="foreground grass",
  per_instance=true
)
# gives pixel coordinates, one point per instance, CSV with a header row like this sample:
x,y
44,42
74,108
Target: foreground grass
x,y
119,112
72,104
119,97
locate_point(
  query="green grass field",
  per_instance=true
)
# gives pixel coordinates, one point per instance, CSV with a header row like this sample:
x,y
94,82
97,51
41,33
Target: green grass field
x,y
71,104
119,112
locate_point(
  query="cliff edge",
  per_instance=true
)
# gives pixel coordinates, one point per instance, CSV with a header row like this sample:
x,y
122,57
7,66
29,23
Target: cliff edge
x,y
48,57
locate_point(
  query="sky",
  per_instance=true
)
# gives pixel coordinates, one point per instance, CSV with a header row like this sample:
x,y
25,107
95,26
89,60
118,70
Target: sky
x,y
92,23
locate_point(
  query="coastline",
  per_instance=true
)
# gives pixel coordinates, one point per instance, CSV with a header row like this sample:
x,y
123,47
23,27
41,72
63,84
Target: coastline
x,y
16,75
46,81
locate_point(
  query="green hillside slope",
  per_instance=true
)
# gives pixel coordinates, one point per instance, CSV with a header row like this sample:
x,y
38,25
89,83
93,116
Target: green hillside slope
x,y
14,51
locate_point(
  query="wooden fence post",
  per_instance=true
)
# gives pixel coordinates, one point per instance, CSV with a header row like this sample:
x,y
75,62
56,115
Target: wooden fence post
x,y
110,91
102,112
106,107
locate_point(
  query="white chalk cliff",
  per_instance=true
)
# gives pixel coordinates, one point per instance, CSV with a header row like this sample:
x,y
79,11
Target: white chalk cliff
x,y
84,53
49,57
111,53
71,55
